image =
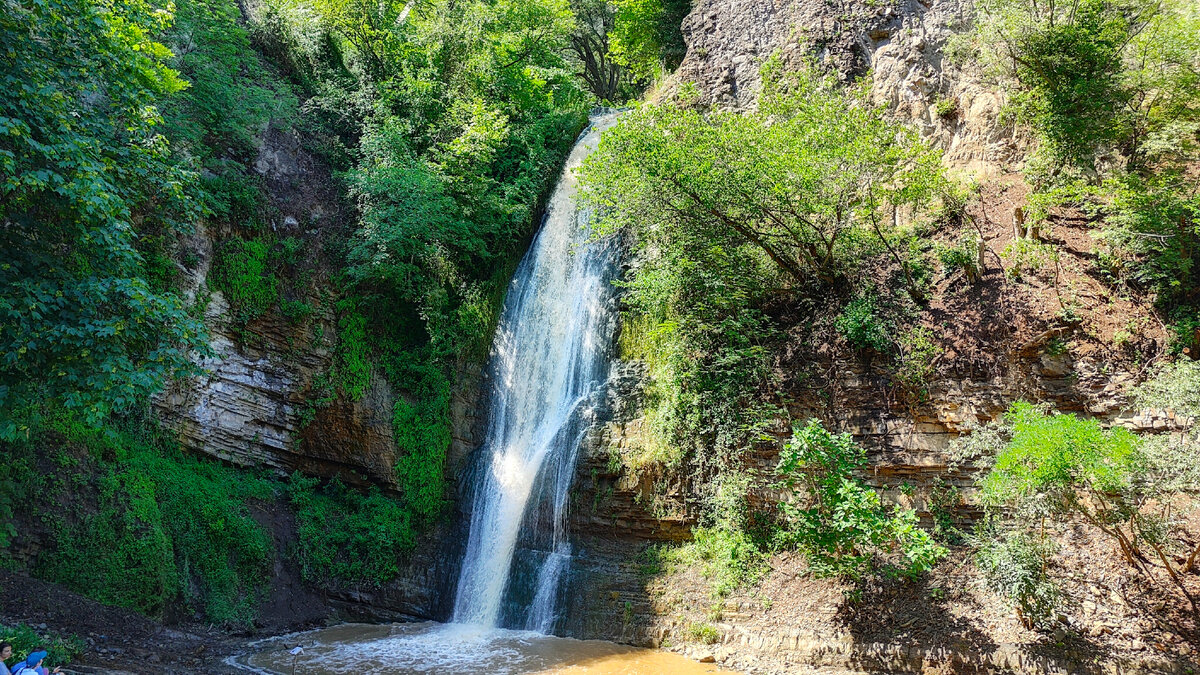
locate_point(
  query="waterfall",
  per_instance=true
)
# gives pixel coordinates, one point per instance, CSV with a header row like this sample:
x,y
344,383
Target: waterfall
x,y
547,365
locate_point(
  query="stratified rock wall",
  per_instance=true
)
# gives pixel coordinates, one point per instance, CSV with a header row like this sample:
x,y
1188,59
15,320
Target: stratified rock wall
x,y
263,399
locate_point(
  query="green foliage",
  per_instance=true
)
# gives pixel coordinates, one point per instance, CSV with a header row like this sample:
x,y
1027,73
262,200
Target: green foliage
x,y
703,633
346,536
1175,386
863,326
243,272
1103,78
1154,224
946,107
758,181
1171,458
729,211
452,119
964,255
134,522
1025,256
1014,567
24,639
1062,467
82,157
727,557
422,429
647,37
230,96
1185,333
1054,461
918,353
838,521
352,367
606,78
296,311
1099,74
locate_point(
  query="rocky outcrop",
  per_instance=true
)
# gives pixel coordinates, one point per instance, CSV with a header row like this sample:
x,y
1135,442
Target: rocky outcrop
x,y
898,46
255,403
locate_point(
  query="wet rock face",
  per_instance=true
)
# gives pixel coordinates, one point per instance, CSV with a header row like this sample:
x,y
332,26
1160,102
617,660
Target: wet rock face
x,y
252,407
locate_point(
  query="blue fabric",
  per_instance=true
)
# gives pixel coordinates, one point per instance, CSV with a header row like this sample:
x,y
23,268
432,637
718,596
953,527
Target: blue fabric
x,y
31,661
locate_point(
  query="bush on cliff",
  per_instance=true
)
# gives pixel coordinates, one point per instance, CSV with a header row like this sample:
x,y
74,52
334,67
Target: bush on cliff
x,y
837,520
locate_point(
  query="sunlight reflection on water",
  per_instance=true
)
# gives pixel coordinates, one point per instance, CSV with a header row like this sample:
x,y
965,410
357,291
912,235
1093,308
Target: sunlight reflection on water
x,y
453,649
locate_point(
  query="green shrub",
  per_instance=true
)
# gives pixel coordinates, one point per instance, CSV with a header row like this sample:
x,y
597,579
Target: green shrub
x,y
1062,467
296,311
1171,458
964,256
918,353
1099,79
946,107
242,271
862,326
85,172
24,639
703,633
1014,567
422,431
1184,337
837,520
346,536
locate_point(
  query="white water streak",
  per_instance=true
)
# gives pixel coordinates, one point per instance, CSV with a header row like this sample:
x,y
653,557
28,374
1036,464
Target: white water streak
x,y
549,358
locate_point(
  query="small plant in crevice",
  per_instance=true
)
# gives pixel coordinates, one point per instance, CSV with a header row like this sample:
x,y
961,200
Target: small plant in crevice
x,y
914,366
946,107
703,633
862,324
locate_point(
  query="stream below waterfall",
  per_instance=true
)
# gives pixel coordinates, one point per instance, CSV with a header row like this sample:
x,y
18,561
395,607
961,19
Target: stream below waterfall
x,y
455,649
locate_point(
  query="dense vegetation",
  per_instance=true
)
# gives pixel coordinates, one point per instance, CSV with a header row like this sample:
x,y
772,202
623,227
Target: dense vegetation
x,y
803,224
131,124
1111,90
731,211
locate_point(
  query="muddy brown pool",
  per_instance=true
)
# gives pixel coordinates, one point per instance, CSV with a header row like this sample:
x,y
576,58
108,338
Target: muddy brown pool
x,y
451,649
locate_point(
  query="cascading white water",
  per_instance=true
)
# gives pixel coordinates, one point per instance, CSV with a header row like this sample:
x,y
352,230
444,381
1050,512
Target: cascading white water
x,y
548,362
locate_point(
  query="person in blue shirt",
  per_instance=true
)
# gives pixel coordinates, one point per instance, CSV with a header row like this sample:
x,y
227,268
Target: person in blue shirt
x,y
33,664
5,655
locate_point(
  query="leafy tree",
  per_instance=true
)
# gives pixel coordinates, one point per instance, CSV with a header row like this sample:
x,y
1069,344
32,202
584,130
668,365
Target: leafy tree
x,y
1060,466
1112,90
838,521
1096,75
646,36
805,178
605,77
83,161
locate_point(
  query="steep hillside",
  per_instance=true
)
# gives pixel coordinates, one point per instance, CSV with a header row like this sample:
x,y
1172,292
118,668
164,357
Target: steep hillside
x,y
1031,311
